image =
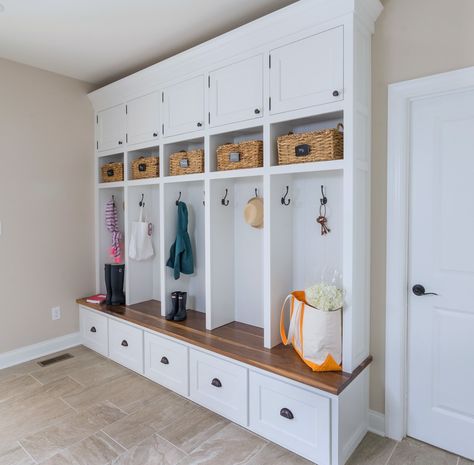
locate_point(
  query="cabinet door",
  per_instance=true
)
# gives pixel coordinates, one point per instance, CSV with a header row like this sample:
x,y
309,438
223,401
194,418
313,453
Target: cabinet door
x,y
236,92
143,118
183,107
111,128
308,72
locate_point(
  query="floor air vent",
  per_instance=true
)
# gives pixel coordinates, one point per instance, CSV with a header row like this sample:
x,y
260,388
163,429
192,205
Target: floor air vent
x,y
50,361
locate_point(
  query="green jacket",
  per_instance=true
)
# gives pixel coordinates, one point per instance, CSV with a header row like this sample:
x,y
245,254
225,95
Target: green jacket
x,y
181,253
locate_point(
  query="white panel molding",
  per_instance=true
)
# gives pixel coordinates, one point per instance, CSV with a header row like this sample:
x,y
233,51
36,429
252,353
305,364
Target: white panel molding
x,y
377,423
400,97
27,353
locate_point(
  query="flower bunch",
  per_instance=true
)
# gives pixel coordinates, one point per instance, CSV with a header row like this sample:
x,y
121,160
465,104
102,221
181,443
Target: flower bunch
x,y
325,297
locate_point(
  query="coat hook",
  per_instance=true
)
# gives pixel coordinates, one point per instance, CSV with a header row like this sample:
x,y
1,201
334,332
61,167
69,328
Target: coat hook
x,y
284,200
256,192
204,198
179,198
113,198
142,201
224,201
324,199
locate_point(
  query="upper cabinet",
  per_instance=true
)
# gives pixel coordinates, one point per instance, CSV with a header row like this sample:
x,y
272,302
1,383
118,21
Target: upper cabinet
x,y
111,131
143,118
236,92
183,107
308,72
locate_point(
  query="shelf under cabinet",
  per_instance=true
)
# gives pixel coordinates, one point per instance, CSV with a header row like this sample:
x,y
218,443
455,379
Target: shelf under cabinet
x,y
311,167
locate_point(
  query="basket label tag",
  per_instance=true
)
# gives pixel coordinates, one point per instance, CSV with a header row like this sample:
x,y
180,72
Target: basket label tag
x,y
234,156
110,172
184,163
302,150
142,167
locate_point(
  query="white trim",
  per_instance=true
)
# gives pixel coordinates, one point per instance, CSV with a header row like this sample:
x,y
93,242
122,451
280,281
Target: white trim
x,y
27,353
400,98
376,423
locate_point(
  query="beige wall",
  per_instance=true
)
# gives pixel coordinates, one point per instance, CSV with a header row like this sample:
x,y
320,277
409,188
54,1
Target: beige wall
x,y
46,203
413,38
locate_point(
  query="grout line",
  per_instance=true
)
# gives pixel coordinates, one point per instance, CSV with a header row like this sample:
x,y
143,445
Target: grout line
x,y
26,452
69,405
76,381
118,408
459,459
114,440
36,379
169,442
391,453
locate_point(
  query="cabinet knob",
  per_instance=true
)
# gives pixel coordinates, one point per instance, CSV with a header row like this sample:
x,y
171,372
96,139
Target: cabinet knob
x,y
165,361
155,134
335,93
124,343
286,413
93,330
216,383
257,111
120,142
199,125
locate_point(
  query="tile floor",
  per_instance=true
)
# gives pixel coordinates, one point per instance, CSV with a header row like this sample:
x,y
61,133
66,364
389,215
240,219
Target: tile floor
x,y
90,411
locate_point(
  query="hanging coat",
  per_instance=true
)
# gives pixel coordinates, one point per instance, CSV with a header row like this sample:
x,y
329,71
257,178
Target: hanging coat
x,y
181,254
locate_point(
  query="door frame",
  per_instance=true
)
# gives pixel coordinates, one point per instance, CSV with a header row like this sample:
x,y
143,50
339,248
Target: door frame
x,y
400,98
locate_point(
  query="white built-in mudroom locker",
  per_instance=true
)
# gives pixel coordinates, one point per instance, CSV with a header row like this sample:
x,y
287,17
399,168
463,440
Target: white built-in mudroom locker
x,y
219,126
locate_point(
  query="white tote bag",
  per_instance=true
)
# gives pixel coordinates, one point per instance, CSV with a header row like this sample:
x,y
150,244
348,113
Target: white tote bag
x,y
141,244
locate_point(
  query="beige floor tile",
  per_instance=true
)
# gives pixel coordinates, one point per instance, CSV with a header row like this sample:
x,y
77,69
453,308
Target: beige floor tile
x,y
15,456
97,373
190,430
463,461
153,451
58,459
50,441
17,386
373,450
230,446
413,452
272,454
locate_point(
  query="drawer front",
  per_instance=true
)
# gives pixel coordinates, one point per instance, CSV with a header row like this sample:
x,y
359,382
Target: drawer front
x,y
295,418
166,362
219,385
126,345
94,331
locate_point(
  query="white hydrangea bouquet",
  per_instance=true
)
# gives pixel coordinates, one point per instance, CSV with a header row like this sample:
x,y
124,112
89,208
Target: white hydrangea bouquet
x,y
325,297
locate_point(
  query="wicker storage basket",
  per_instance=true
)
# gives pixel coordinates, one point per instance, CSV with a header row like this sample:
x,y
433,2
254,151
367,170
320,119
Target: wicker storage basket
x,y
145,167
111,172
187,162
311,146
248,154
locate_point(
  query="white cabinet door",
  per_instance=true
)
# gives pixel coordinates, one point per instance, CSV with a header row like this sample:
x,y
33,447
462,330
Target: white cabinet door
x,y
111,128
126,345
308,72
94,331
236,92
143,118
183,107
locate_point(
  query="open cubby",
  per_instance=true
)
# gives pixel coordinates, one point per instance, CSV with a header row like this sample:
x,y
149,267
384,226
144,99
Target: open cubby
x,y
313,123
116,158
233,137
192,194
236,255
134,154
186,145
105,237
144,280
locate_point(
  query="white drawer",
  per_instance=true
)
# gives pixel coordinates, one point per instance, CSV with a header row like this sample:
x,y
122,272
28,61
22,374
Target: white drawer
x,y
166,362
94,331
219,385
293,417
126,345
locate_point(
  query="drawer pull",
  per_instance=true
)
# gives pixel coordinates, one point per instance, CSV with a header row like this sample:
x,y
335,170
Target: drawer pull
x,y
124,343
216,383
165,361
93,330
286,413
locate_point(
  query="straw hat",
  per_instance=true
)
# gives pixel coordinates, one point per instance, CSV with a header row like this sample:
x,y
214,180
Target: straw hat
x,y
253,212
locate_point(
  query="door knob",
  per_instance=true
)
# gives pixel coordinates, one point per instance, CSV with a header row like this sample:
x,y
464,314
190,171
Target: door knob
x,y
199,125
419,290
257,111
216,383
335,93
124,343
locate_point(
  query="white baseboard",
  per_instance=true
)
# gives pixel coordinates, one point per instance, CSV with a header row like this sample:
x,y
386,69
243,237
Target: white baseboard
x,y
377,423
25,354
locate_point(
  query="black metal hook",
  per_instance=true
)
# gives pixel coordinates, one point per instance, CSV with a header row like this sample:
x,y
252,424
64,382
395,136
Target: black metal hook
x,y
179,198
142,201
113,198
204,199
224,201
256,192
284,201
324,199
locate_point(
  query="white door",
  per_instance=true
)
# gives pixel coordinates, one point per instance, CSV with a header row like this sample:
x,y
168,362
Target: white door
x,y
111,128
236,92
308,72
183,107
441,259
143,118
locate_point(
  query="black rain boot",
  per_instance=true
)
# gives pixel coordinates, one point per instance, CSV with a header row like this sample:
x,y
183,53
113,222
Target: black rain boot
x,y
181,315
116,278
108,284
174,305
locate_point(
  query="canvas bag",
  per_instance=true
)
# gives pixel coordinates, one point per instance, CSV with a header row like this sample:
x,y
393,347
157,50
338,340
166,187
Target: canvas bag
x,y
141,244
314,334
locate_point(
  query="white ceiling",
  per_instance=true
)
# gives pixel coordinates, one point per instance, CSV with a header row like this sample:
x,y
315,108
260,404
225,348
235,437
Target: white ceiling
x,y
98,41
